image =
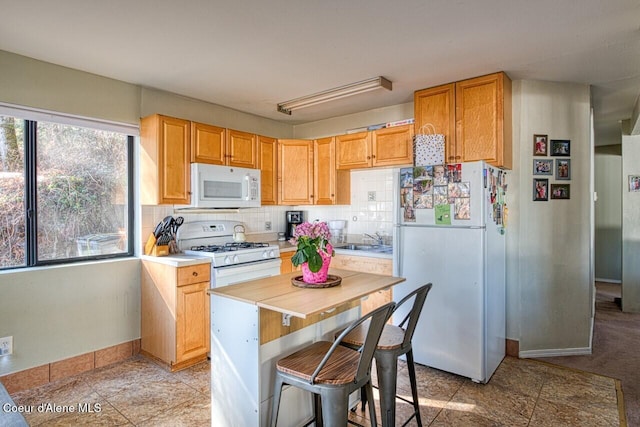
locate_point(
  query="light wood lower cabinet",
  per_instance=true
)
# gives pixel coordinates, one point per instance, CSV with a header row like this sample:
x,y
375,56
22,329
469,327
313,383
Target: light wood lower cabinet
x,y
175,313
373,265
287,266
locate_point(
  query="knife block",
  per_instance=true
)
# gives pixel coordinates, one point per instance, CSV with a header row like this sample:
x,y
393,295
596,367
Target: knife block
x,y
151,248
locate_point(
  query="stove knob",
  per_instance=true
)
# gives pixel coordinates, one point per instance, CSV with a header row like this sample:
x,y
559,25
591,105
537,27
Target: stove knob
x,y
227,260
265,255
236,259
271,254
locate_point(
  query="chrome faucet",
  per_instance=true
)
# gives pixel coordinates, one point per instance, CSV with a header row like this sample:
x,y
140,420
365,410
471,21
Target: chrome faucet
x,y
378,238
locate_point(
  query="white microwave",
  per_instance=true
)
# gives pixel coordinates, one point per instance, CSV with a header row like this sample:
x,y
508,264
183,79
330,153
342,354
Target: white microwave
x,y
214,186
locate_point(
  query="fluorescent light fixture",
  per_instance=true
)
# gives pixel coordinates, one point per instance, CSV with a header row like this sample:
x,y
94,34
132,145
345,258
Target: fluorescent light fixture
x,y
332,94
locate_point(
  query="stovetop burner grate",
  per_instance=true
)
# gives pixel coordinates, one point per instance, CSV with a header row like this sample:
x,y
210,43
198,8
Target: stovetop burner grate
x,y
228,247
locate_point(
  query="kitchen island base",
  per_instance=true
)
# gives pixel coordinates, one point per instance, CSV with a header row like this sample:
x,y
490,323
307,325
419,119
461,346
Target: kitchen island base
x,y
243,370
257,322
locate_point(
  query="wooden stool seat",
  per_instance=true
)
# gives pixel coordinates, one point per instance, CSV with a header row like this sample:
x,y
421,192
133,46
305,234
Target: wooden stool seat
x,y
331,372
391,338
340,368
395,341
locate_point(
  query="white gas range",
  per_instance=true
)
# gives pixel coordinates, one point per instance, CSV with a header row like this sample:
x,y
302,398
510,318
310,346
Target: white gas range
x,y
231,261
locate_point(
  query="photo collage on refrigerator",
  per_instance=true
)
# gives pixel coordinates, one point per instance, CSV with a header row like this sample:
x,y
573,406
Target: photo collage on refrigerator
x,y
437,187
441,188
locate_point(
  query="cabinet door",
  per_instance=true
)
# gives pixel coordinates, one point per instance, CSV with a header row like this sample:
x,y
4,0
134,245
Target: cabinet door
x,y
192,321
436,106
287,266
164,161
267,163
382,266
207,144
324,168
392,146
295,172
353,150
483,130
242,149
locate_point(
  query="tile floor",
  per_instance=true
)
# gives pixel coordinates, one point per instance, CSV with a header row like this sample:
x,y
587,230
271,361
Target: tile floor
x,y
521,393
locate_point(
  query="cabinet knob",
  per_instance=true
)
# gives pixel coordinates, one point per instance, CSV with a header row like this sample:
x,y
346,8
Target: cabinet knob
x,y
368,157
458,157
195,274
373,157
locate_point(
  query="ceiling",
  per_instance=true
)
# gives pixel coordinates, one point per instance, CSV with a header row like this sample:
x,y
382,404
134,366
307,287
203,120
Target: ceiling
x,y
251,54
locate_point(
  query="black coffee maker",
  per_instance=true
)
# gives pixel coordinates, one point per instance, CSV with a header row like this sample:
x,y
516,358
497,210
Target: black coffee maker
x,y
293,218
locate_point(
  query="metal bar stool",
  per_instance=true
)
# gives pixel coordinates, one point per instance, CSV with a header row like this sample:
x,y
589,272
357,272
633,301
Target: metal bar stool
x,y
331,371
394,342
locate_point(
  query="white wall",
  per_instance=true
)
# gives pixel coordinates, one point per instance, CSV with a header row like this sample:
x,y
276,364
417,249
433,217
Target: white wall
x,y
630,225
31,83
608,218
549,293
54,313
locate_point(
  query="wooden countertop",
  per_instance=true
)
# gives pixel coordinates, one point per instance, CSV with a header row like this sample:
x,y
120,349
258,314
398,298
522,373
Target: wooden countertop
x,y
278,294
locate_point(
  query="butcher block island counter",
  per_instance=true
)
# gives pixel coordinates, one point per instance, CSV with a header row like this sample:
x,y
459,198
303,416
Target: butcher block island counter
x,y
255,323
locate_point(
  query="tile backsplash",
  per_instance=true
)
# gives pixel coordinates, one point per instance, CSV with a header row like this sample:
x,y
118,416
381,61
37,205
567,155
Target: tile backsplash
x,y
371,209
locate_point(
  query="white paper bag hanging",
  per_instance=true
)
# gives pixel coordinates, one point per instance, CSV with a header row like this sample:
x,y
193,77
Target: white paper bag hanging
x,y
428,147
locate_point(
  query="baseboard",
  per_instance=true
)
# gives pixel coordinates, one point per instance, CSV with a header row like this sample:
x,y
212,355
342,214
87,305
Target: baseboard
x,y
580,351
41,375
608,280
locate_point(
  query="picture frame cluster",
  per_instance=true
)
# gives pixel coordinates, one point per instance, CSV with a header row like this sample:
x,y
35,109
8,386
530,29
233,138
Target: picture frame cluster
x,y
558,168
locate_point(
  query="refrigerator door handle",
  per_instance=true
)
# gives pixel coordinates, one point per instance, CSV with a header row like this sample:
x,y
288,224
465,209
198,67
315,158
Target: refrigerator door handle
x,y
397,250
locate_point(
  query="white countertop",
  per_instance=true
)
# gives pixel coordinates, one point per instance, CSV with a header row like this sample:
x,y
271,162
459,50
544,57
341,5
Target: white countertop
x,y
177,260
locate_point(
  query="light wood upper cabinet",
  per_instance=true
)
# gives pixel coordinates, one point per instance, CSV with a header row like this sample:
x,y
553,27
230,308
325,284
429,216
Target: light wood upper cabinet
x,y
165,173
353,151
267,163
242,149
436,107
392,146
208,144
474,115
483,119
383,147
220,146
331,186
295,172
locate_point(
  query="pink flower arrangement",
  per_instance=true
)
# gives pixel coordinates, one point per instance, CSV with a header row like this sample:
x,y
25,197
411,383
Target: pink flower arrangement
x,y
311,239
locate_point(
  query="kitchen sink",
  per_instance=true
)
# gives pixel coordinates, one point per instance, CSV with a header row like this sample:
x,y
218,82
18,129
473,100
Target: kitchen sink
x,y
387,249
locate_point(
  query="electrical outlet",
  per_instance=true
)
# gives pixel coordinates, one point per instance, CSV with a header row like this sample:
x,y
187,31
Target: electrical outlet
x,y
371,196
267,225
6,346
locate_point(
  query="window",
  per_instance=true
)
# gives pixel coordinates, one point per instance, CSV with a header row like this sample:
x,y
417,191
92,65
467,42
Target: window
x,y
65,192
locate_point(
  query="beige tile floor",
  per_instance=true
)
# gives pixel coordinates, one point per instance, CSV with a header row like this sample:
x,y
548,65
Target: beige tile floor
x,y
521,393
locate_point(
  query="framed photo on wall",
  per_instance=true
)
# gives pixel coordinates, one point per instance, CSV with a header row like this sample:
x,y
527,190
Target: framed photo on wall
x,y
560,191
540,145
540,190
543,166
560,147
563,169
634,183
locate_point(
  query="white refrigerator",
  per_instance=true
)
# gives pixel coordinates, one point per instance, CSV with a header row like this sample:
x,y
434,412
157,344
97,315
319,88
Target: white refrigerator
x,y
462,326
